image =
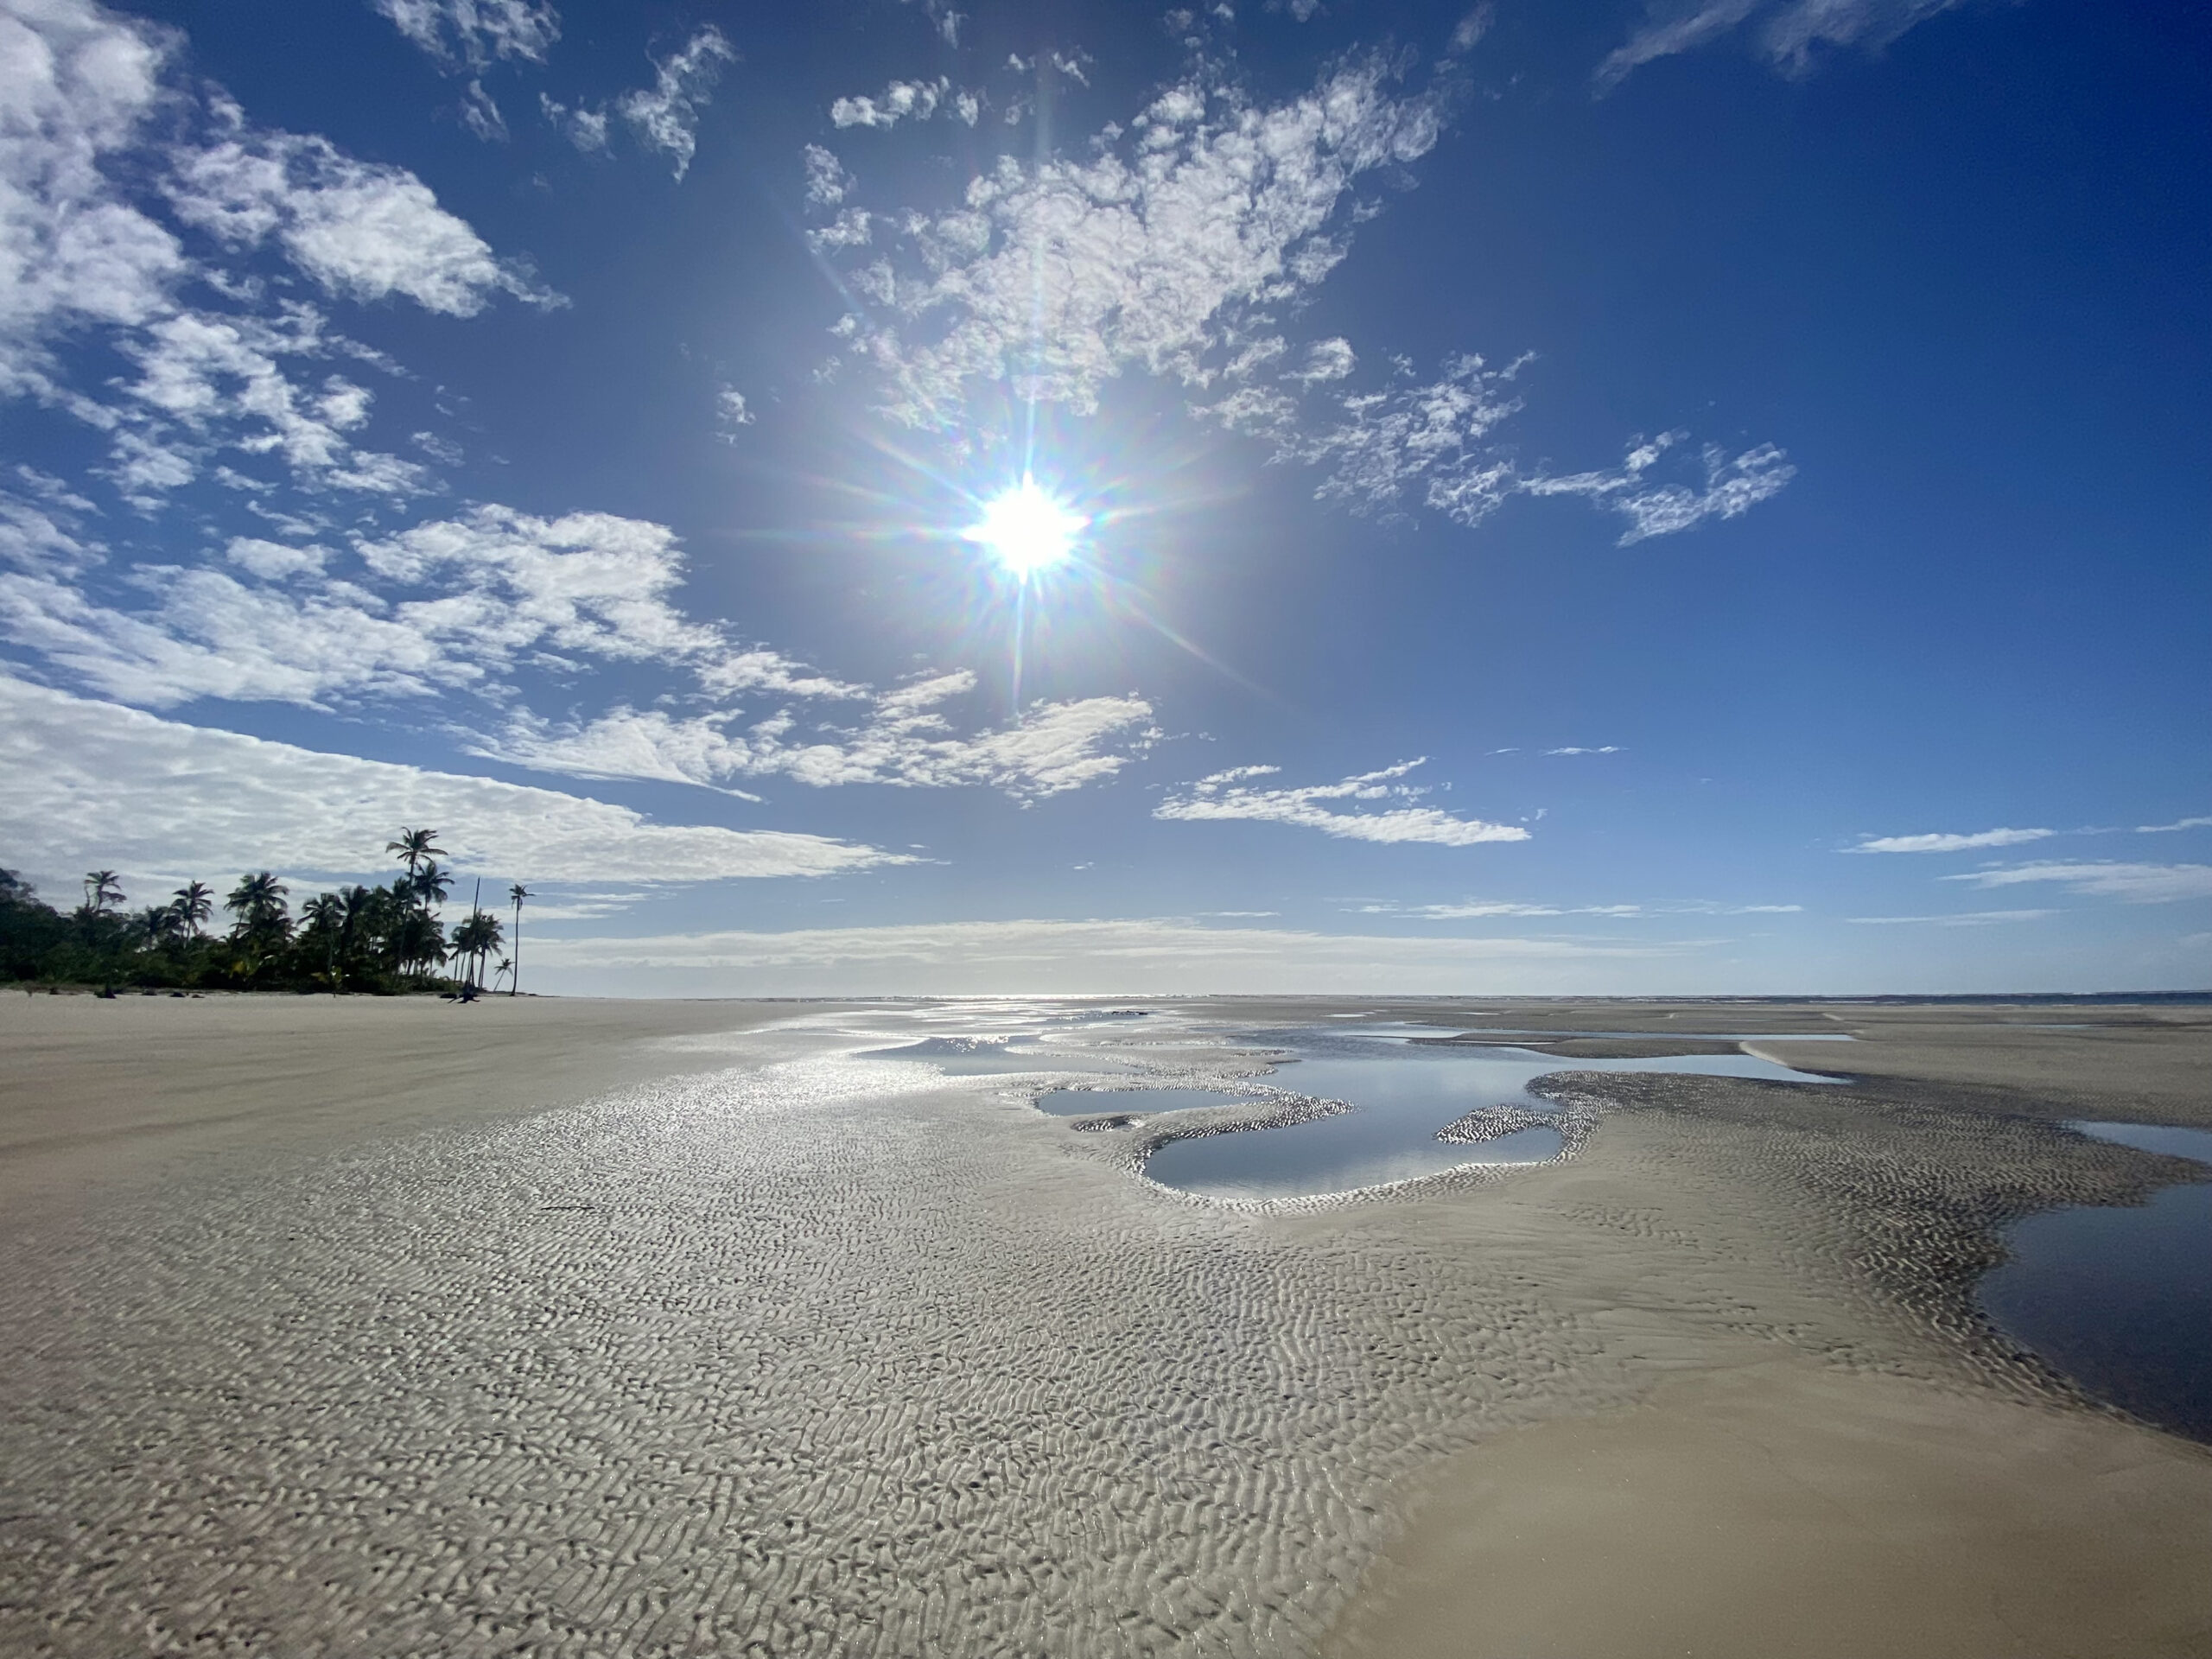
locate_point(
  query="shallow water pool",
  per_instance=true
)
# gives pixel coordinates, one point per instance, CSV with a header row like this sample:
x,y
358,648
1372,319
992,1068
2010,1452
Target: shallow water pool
x,y
2120,1298
1402,1094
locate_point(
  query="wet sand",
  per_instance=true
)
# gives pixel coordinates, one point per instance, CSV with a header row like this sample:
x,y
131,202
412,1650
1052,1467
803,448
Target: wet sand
x,y
336,1330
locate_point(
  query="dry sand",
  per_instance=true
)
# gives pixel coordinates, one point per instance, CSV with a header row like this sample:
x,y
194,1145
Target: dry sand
x,y
323,1338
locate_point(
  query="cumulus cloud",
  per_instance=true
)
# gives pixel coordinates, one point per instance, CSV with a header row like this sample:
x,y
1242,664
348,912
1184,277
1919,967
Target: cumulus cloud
x,y
1942,843
96,783
360,229
1359,809
905,100
2136,884
445,605
122,179
905,740
827,182
666,114
475,32
1790,35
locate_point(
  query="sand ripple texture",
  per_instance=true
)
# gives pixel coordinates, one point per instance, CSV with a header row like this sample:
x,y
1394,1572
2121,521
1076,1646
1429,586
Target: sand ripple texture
x,y
824,1358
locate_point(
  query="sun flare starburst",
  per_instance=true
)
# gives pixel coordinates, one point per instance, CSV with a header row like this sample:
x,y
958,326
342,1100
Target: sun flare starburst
x,y
1027,529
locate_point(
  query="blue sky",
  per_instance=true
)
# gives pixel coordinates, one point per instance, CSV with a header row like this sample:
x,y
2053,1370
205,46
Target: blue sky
x,y
1685,498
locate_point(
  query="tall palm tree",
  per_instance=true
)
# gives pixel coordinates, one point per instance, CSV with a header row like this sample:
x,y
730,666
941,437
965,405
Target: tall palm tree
x,y
414,847
101,890
324,917
517,893
157,924
193,904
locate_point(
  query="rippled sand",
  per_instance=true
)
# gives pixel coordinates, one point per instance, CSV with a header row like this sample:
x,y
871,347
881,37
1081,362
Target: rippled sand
x,y
777,1349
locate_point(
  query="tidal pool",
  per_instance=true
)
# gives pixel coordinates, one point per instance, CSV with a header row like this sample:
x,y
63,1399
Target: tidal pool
x,y
1401,1093
2120,1298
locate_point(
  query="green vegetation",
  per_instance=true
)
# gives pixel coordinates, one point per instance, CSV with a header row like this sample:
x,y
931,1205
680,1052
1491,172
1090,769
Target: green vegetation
x,y
382,941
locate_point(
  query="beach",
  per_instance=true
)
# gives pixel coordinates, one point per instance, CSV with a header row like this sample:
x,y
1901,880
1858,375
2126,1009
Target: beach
x,y
373,1326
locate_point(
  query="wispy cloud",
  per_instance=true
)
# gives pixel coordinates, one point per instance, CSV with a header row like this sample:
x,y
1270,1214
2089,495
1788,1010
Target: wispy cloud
x,y
1357,809
666,115
2168,828
95,781
1607,748
1175,249
1054,277
1732,487
1956,919
1790,35
476,32
2137,884
1154,955
1477,909
1939,842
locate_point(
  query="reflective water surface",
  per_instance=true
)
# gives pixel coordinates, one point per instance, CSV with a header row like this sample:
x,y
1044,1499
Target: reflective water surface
x,y
1402,1094
1143,1103
2120,1298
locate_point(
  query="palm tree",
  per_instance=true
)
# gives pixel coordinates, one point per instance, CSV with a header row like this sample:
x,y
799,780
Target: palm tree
x,y
473,940
157,924
324,917
192,905
517,893
506,966
429,884
259,902
414,847
101,890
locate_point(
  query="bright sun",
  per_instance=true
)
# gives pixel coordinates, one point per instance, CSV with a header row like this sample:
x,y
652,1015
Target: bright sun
x,y
1027,529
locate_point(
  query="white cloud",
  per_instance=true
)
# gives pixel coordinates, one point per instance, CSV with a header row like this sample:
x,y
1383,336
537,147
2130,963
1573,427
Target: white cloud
x,y
1956,919
1055,276
1231,795
360,229
76,85
666,114
901,100
827,182
273,560
475,32
92,782
2137,884
479,113
1939,843
448,604
2168,828
1477,909
1156,955
107,150
731,411
1603,748
1732,487
585,129
1380,444
906,742
1791,35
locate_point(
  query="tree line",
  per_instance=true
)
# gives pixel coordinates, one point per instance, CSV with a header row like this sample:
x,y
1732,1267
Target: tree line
x,y
381,940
